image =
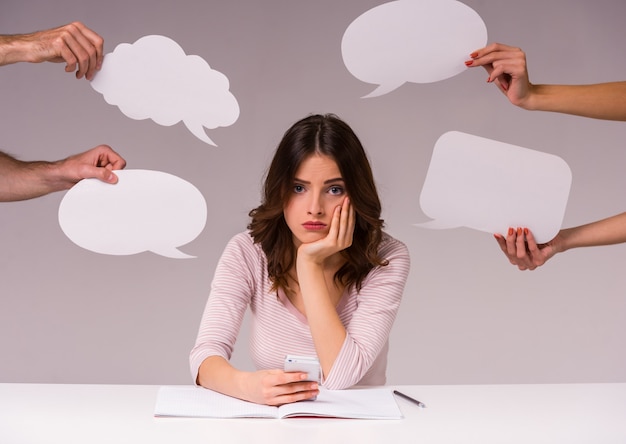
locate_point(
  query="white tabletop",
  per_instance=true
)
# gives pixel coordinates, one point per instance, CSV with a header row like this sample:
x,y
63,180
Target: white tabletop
x,y
544,413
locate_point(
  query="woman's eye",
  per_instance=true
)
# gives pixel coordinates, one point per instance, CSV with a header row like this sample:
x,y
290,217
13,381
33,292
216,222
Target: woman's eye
x,y
335,190
298,188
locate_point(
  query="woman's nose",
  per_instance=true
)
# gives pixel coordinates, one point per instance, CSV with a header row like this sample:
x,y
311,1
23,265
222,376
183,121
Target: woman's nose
x,y
315,206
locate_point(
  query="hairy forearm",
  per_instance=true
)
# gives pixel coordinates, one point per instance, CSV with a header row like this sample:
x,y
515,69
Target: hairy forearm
x,y
26,180
607,231
600,101
15,48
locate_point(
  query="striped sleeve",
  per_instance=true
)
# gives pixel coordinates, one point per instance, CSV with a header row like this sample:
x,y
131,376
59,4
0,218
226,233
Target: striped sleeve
x,y
231,290
370,325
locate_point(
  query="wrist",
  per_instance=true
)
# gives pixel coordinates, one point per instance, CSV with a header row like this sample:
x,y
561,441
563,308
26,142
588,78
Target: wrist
x,y
246,385
216,373
562,241
14,49
54,177
531,100
304,258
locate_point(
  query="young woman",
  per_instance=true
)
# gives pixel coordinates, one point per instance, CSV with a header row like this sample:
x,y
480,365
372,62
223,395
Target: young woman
x,y
318,273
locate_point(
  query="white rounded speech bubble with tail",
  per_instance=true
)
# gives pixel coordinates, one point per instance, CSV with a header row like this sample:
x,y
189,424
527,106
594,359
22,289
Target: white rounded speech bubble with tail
x,y
145,211
419,41
154,79
490,186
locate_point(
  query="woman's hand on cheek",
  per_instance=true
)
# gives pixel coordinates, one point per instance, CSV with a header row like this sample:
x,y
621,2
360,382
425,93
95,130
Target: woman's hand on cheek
x,y
339,236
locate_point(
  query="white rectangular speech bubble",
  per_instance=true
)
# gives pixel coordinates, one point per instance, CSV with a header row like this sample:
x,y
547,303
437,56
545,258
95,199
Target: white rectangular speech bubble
x,y
490,186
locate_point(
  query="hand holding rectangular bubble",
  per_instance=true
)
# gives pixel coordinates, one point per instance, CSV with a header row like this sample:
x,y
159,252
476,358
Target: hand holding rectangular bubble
x,y
490,186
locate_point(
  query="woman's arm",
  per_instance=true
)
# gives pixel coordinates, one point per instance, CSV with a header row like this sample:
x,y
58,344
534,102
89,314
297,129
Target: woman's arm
x,y
347,352
270,387
326,328
370,325
507,68
231,291
605,101
522,251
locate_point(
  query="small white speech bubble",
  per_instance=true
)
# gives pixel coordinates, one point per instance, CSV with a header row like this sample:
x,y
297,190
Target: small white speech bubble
x,y
490,186
145,211
419,41
154,78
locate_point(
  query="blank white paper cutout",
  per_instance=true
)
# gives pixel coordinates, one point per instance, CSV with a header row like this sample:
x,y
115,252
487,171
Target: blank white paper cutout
x,y
154,79
419,41
145,211
490,186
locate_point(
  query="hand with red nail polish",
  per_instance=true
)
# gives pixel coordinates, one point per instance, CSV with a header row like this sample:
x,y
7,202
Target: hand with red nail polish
x,y
506,66
520,247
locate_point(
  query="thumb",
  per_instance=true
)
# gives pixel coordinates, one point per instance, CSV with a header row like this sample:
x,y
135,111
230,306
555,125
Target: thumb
x,y
101,173
109,176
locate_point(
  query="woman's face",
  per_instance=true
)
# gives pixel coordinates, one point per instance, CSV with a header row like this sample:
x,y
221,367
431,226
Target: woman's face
x,y
317,190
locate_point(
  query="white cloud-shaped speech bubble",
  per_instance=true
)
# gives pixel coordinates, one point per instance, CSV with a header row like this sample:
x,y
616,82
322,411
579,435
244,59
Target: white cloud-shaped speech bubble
x,y
145,211
490,186
419,41
154,78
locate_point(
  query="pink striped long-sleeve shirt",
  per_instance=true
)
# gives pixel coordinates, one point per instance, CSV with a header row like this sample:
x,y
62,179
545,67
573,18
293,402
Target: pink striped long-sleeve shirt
x,y
279,329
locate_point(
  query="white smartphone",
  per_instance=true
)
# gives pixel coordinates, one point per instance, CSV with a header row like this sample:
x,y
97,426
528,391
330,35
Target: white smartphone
x,y
307,364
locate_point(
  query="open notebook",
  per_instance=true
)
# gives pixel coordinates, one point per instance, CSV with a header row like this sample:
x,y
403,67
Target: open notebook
x,y
197,402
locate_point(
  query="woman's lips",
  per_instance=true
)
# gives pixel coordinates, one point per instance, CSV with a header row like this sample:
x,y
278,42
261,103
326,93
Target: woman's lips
x,y
314,226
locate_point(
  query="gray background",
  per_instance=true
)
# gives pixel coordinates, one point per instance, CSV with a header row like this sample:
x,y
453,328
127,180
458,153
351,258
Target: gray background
x,y
468,316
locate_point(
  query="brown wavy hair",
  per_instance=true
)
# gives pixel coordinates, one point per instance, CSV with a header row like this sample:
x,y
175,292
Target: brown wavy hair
x,y
330,136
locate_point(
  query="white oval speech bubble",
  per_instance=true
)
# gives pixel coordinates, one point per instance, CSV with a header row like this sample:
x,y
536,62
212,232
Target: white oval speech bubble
x,y
419,41
145,211
154,78
490,186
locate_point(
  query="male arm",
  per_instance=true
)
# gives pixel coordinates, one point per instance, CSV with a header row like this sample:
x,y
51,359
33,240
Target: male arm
x,y
75,44
21,180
